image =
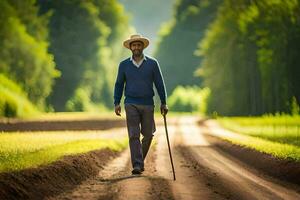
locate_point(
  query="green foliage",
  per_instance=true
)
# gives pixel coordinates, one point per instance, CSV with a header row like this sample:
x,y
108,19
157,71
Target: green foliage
x,y
24,49
188,99
178,41
83,36
80,101
114,17
251,56
76,34
295,109
13,101
248,53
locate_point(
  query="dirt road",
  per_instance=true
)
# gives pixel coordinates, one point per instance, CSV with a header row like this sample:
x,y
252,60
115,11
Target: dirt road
x,y
202,172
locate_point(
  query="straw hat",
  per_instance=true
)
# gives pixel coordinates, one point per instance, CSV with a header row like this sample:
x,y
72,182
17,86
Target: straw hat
x,y
134,38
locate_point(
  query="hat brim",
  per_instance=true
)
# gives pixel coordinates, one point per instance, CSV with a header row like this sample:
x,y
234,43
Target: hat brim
x,y
145,41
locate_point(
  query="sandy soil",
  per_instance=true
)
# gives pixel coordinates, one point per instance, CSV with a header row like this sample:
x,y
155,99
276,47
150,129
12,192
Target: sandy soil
x,y
206,168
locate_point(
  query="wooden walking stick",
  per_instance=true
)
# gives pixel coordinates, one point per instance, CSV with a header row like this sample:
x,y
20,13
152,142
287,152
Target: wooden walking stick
x,y
165,120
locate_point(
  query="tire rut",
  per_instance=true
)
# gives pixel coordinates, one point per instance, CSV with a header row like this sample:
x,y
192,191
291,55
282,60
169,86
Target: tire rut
x,y
211,178
187,184
224,174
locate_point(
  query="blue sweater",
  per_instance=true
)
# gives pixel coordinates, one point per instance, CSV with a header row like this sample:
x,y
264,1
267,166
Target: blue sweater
x,y
139,82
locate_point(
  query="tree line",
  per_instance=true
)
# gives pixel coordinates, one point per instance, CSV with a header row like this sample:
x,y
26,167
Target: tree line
x,y
62,53
245,51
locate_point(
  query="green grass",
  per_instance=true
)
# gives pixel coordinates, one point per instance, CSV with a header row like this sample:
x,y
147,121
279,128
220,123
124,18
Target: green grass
x,y
14,101
23,150
276,135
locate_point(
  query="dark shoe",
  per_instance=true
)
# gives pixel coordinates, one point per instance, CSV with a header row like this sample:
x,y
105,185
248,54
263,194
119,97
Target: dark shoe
x,y
136,171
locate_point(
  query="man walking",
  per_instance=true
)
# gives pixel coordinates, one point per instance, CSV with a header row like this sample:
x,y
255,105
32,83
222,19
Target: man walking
x,y
138,73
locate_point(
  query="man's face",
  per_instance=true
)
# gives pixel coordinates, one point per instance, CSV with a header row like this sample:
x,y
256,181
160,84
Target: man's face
x,y
137,48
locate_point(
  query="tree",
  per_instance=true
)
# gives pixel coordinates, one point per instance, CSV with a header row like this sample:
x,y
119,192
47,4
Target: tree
x,y
250,55
178,41
24,49
83,35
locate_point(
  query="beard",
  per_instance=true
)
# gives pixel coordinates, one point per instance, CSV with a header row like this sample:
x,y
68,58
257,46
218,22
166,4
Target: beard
x,y
137,53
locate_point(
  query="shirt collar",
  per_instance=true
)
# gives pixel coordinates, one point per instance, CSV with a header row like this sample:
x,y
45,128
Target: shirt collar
x,y
144,58
139,63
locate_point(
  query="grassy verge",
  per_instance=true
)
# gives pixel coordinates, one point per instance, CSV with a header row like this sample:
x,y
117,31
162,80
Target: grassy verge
x,y
276,135
14,101
23,150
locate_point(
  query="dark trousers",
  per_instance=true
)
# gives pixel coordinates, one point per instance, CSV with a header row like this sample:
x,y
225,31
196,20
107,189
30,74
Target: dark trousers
x,y
140,120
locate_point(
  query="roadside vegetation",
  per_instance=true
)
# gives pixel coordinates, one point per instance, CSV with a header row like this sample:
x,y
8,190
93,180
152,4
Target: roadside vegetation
x,y
278,135
14,101
31,149
245,52
63,54
190,99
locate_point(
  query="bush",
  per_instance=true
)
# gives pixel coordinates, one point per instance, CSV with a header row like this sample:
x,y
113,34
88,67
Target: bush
x,y
81,102
189,99
295,107
14,101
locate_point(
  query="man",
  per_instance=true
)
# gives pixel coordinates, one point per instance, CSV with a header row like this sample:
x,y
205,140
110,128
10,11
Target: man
x,y
138,73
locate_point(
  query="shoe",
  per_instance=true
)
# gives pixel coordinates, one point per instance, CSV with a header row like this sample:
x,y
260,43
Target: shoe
x,y
136,171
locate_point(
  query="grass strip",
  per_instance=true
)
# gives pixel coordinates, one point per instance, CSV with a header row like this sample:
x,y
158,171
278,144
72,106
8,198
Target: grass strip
x,y
22,150
282,129
277,149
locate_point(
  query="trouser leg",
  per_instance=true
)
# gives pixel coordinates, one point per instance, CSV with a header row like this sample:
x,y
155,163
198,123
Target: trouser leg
x,y
133,120
147,128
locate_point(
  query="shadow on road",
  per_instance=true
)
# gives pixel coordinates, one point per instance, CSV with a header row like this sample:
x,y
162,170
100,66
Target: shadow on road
x,y
113,180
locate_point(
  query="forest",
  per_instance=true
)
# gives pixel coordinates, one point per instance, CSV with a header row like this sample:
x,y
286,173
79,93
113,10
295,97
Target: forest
x,y
245,52
59,55
218,57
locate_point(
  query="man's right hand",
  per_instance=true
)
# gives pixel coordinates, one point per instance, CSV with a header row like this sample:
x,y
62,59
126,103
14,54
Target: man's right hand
x,y
118,110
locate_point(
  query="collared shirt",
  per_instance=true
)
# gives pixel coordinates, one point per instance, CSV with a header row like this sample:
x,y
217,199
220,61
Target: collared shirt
x,y
139,63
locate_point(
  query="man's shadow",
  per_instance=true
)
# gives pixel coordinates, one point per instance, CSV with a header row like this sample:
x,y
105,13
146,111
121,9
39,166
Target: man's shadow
x,y
117,179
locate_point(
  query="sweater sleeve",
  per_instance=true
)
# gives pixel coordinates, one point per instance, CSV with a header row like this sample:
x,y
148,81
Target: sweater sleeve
x,y
159,84
119,85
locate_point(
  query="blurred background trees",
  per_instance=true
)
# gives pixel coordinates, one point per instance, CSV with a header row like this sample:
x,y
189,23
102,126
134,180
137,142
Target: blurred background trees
x,y
247,53
148,16
231,57
178,41
83,38
62,53
251,61
24,56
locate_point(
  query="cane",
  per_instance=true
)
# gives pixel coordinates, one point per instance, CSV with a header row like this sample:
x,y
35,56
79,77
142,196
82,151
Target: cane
x,y
165,120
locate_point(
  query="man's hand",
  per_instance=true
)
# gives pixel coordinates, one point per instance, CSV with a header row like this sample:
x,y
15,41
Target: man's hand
x,y
164,109
118,110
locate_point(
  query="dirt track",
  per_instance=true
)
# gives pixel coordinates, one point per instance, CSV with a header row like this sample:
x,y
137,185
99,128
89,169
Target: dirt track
x,y
203,171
